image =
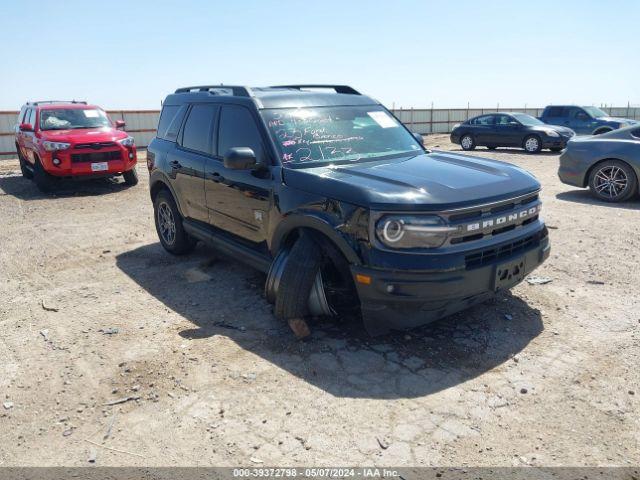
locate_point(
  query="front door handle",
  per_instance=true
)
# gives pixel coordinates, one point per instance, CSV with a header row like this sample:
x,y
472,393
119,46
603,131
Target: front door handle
x,y
175,164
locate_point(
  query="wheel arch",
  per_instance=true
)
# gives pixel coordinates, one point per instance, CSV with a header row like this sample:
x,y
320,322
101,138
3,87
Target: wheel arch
x,y
293,225
602,129
157,183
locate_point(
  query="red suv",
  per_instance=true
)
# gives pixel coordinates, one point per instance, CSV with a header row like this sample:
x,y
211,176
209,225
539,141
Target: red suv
x,y
72,139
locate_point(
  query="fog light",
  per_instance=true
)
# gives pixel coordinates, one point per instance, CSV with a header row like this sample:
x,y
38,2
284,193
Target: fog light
x,y
131,155
56,161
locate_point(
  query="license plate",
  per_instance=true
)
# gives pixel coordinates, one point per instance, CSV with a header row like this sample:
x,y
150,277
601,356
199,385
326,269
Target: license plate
x,y
99,167
509,274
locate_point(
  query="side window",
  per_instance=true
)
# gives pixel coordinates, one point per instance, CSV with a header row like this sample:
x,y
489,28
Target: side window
x,y
239,129
198,129
555,112
503,119
484,120
577,113
166,117
23,112
31,117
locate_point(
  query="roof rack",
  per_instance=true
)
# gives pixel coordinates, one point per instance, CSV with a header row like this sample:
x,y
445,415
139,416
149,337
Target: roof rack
x,y
42,102
338,88
215,90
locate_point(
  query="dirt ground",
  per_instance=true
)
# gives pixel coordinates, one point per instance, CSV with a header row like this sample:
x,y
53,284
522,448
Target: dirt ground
x,y
94,312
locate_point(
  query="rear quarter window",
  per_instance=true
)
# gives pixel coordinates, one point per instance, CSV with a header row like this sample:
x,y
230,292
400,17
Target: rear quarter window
x,y
170,121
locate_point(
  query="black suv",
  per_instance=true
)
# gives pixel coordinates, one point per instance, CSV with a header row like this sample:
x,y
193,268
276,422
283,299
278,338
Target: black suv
x,y
323,189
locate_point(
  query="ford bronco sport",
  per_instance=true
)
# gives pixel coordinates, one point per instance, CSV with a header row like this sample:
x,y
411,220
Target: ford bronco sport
x,y
72,139
325,191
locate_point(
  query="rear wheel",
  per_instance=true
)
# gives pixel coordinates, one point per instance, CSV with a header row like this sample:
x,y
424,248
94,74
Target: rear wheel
x,y
613,181
169,226
467,142
43,180
532,144
131,177
25,168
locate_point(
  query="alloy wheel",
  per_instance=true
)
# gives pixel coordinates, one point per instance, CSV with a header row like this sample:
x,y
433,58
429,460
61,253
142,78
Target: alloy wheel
x,y
466,142
611,181
167,223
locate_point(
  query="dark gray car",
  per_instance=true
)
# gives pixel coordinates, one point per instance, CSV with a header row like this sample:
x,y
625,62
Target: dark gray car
x,y
608,164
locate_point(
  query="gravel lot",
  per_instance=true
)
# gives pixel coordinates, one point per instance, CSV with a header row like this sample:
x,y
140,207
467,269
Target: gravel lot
x,y
93,312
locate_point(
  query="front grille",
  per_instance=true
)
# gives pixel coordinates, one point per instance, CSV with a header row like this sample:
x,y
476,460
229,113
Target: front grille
x,y
94,146
491,254
492,220
95,157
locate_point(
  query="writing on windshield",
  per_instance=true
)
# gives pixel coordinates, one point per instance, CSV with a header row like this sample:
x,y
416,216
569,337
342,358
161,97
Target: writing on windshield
x,y
325,134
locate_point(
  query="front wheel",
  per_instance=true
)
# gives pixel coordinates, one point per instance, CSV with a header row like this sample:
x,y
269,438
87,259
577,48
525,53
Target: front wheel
x,y
131,177
613,181
467,142
532,144
43,180
27,170
171,232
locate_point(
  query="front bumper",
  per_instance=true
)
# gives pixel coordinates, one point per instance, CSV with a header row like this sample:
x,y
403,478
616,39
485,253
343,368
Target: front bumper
x,y
125,159
555,142
398,300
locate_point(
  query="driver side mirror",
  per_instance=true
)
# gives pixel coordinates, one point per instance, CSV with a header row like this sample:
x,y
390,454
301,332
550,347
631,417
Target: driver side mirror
x,y
419,138
239,158
120,124
25,127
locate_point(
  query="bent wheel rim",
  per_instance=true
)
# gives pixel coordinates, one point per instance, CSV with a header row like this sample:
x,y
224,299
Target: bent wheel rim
x,y
166,223
531,144
466,142
611,181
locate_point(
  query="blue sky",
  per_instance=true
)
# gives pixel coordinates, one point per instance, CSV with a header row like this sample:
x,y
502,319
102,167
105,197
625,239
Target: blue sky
x,y
130,54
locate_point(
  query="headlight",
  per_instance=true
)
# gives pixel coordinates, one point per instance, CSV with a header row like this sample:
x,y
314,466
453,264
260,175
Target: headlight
x,y
412,231
127,142
552,133
53,146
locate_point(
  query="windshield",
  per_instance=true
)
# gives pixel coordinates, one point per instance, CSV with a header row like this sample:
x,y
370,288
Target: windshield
x,y
525,119
315,135
71,118
595,112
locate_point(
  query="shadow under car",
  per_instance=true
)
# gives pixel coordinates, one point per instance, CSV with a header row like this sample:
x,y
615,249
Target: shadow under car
x,y
221,297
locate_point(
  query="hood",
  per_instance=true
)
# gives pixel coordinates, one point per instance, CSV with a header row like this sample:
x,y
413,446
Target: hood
x,y
434,181
617,120
556,128
84,135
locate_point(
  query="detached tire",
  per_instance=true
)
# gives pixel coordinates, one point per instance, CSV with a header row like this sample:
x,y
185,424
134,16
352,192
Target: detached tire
x,y
43,180
613,181
131,177
297,279
168,220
